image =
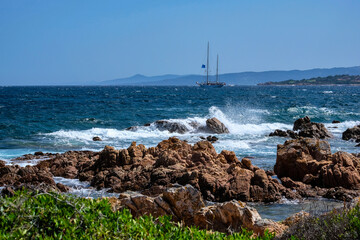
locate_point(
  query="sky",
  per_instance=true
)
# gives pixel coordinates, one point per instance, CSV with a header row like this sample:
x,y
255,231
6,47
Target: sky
x,y
46,42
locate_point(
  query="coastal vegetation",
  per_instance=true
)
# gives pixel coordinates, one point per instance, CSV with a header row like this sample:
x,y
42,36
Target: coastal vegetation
x,y
40,215
329,80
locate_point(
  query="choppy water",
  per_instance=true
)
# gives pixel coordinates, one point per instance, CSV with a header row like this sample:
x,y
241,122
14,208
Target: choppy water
x,y
57,119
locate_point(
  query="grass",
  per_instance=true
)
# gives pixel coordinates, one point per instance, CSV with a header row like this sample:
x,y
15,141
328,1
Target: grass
x,y
35,215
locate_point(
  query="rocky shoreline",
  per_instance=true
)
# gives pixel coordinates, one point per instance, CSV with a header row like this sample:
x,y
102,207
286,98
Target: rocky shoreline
x,y
197,185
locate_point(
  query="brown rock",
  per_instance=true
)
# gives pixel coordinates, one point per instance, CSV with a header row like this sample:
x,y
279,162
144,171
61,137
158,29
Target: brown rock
x,y
310,129
351,133
96,138
185,204
311,162
216,126
296,158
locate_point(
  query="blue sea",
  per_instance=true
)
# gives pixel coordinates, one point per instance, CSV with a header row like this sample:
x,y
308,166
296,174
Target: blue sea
x,y
58,119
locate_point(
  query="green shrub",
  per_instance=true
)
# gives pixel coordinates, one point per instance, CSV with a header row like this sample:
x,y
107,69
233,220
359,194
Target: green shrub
x,y
30,215
338,224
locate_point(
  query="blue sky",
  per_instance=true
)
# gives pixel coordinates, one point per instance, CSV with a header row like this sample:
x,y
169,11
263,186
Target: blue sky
x,y
68,42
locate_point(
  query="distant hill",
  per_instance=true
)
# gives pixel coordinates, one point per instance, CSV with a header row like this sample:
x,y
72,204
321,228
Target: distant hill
x,y
242,78
138,79
329,80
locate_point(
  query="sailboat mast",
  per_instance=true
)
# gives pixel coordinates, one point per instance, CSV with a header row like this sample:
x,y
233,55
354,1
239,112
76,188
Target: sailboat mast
x,y
217,68
207,66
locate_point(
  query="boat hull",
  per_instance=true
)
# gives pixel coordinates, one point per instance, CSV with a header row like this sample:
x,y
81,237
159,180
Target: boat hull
x,y
211,86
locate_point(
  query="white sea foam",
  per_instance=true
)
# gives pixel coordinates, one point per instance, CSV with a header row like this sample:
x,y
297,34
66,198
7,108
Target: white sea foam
x,y
244,132
83,189
310,110
338,128
327,92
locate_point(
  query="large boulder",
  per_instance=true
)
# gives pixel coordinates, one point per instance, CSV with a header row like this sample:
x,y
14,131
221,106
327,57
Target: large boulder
x,y
297,158
30,177
352,133
310,161
214,125
310,129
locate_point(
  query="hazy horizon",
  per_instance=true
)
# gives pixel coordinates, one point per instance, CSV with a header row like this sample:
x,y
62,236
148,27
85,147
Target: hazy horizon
x,y
60,43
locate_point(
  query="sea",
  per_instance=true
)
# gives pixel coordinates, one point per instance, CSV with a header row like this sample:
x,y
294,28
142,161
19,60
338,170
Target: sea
x,y
62,118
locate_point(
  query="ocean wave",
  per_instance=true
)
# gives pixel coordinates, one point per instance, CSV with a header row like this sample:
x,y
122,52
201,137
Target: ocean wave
x,y
310,110
108,134
238,125
337,128
327,92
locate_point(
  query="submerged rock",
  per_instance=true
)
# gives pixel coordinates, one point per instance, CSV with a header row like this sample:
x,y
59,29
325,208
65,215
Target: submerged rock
x,y
96,138
212,139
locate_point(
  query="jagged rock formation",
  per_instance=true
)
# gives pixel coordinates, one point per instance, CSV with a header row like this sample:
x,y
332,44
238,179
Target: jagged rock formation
x,y
310,129
185,203
310,161
219,177
303,127
352,134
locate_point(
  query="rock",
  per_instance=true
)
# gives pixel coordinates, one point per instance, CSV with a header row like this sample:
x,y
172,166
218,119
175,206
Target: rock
x,y
214,125
351,133
247,163
30,177
171,126
132,128
279,133
185,204
62,187
292,134
310,161
343,171
7,191
335,121
310,129
96,138
232,216
212,139
219,177
38,153
296,158
297,217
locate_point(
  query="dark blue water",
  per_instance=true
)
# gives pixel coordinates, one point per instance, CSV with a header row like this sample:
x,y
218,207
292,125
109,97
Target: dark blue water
x,y
57,119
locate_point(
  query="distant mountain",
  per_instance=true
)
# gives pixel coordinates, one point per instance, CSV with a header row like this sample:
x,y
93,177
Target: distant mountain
x,y
138,79
242,78
330,80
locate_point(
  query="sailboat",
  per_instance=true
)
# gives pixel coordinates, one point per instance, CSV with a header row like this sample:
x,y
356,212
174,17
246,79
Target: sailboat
x,y
208,83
